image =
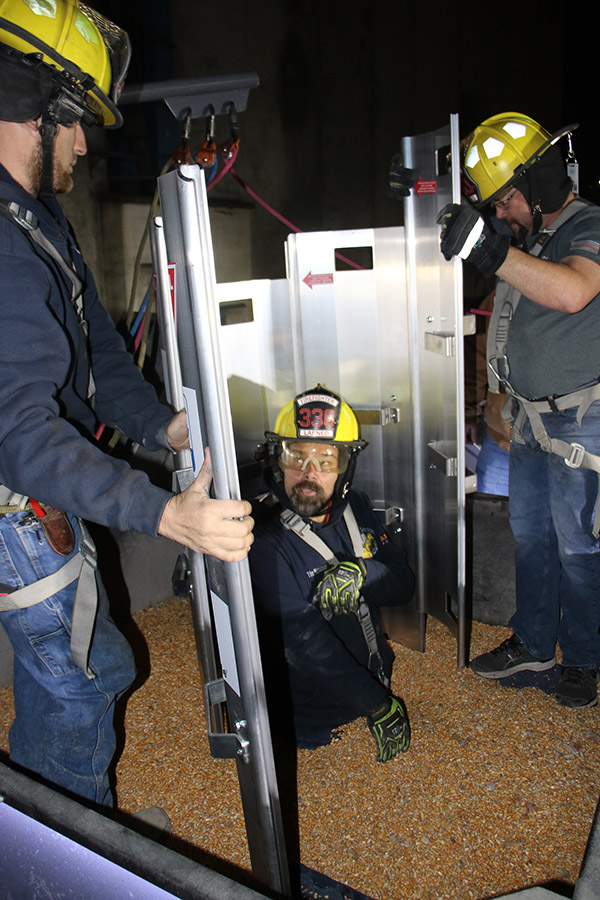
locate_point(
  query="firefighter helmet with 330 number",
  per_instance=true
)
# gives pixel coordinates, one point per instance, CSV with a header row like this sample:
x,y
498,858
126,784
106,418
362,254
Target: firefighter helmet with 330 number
x,y
316,425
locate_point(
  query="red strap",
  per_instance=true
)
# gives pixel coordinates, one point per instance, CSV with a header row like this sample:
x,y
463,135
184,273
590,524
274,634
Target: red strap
x,y
37,508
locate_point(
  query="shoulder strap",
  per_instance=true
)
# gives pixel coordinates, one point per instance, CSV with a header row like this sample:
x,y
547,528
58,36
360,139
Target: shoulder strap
x,y
28,223
292,521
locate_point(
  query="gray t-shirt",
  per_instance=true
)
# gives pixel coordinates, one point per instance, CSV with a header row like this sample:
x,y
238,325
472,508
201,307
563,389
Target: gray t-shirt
x,y
550,352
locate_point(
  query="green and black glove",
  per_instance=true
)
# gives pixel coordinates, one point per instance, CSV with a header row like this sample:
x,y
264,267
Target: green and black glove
x,y
390,729
338,591
466,234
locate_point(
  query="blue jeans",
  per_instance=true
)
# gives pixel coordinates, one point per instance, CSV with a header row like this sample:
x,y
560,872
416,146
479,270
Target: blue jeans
x,y
64,722
492,468
557,557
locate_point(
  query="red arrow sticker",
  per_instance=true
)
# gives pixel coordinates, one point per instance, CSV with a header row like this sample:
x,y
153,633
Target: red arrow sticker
x,y
426,187
171,270
311,279
172,284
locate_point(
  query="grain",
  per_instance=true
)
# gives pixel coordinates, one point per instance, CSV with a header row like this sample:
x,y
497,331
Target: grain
x,y
497,792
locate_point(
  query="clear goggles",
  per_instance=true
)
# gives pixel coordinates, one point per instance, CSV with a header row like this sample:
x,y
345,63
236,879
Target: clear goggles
x,y
325,457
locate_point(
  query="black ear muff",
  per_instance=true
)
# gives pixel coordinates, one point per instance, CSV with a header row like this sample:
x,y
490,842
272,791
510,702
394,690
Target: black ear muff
x,y
26,86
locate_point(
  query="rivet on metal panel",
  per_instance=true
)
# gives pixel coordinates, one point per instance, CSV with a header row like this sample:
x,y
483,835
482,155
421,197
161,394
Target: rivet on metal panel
x,y
243,749
394,517
389,415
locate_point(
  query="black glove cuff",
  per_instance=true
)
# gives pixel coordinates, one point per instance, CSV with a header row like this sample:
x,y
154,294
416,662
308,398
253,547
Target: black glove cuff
x,y
490,252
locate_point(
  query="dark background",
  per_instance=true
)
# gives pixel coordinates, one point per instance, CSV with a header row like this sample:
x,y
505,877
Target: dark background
x,y
340,84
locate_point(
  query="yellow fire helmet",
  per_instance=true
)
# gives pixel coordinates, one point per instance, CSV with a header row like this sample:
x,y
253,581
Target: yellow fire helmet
x,y
317,416
85,54
501,150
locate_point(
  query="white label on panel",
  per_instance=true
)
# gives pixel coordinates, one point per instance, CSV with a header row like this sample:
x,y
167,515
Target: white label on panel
x,y
225,641
193,420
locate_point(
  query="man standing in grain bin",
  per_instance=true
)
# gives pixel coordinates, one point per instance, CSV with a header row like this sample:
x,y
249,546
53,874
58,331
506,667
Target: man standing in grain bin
x,y
544,246
64,369
321,565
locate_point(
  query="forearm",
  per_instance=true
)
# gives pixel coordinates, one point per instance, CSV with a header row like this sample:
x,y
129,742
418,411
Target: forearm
x,y
555,285
54,464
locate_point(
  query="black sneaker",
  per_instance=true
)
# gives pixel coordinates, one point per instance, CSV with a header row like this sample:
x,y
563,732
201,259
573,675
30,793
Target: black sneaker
x,y
510,657
577,687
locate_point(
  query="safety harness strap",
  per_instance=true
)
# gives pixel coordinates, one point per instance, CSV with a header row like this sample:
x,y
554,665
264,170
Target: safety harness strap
x,y
11,502
575,455
293,522
28,223
83,567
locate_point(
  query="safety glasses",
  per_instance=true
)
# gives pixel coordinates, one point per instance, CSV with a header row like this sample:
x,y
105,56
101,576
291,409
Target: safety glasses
x,y
297,455
505,202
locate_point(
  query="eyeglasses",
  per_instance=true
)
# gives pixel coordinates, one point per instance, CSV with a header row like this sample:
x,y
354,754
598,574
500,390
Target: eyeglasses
x,y
326,457
504,203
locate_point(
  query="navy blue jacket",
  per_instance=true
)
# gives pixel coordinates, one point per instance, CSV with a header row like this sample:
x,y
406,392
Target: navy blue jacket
x,y
322,666
47,422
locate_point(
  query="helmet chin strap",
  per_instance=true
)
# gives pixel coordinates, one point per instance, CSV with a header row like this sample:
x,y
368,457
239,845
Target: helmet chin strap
x,y
537,217
48,130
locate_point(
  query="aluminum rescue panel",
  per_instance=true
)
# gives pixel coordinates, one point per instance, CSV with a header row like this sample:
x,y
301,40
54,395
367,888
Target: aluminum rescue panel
x,y
188,246
436,323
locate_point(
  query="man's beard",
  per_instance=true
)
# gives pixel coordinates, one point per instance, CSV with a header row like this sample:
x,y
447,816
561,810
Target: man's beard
x,y
308,506
34,169
520,233
62,181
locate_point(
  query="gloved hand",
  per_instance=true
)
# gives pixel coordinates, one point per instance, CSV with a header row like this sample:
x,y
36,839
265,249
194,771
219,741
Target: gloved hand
x,y
401,178
466,234
338,591
390,729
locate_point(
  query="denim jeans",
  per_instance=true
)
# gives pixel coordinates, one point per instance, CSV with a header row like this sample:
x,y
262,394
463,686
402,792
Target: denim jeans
x,y
492,468
64,722
557,557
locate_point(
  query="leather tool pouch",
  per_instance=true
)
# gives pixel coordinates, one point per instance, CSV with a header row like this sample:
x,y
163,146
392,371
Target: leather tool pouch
x,y
59,531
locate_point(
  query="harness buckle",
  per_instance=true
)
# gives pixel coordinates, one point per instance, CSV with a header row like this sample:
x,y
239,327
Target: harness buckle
x,y
576,456
87,549
22,216
293,522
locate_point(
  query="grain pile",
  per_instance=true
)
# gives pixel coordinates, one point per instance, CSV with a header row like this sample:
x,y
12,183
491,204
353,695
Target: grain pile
x,y
496,793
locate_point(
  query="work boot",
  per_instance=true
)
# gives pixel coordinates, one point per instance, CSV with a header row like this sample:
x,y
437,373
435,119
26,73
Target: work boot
x,y
577,687
510,657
